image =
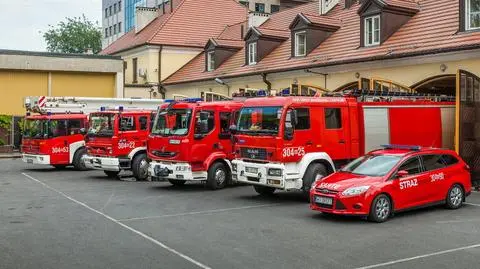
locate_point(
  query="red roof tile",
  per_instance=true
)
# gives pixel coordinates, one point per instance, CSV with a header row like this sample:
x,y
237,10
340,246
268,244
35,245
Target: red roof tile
x,y
322,20
191,24
283,34
234,31
426,32
228,43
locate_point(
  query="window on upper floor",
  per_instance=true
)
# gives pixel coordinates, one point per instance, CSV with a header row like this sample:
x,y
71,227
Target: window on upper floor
x,y
106,32
260,7
134,70
252,53
472,14
106,13
114,29
300,43
110,11
120,27
372,30
119,6
274,8
110,30
210,61
115,8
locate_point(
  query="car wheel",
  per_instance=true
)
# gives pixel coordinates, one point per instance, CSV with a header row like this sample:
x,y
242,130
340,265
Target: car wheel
x,y
455,197
217,176
380,209
176,182
78,159
262,190
111,174
140,167
315,171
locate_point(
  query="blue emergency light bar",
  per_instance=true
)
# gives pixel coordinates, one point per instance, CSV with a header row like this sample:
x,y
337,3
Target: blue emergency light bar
x,y
49,113
262,93
169,101
406,147
192,100
120,108
102,108
286,92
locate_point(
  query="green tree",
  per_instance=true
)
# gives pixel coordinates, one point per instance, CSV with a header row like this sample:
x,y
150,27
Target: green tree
x,y
75,35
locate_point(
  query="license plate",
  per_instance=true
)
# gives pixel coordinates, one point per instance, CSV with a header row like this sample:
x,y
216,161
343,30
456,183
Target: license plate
x,y
29,160
252,170
323,200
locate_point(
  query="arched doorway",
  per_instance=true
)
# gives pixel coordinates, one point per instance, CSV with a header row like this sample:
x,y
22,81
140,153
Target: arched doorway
x,y
442,84
347,87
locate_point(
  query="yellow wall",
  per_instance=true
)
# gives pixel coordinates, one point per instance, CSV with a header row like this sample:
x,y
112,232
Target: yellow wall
x,y
83,84
173,60
15,85
147,60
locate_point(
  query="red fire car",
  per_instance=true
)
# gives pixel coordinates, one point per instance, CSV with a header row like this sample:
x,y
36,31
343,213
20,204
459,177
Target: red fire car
x,y
393,179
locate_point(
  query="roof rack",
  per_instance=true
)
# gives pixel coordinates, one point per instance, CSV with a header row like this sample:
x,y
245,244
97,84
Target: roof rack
x,y
364,95
405,147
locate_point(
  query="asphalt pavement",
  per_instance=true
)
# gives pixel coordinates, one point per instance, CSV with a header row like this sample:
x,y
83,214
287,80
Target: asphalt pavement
x,y
69,219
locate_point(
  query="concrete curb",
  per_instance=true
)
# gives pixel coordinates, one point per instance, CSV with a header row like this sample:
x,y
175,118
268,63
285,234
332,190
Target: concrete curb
x,y
12,156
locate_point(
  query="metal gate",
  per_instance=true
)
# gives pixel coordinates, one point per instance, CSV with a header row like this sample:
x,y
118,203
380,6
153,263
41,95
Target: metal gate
x,y
468,121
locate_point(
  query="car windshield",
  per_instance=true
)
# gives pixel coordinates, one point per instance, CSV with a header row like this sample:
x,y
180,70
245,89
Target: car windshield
x,y
372,165
35,128
172,122
101,125
262,120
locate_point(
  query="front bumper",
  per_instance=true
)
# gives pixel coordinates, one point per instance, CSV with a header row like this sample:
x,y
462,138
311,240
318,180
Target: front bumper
x,y
36,159
353,205
106,163
161,171
257,174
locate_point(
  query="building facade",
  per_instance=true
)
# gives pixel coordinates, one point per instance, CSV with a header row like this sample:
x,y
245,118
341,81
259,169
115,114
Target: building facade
x,y
271,6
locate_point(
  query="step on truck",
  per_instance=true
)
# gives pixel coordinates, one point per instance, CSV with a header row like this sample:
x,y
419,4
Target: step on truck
x,y
117,139
191,141
288,143
54,128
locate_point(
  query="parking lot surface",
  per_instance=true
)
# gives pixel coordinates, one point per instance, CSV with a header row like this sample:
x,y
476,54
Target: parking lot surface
x,y
70,219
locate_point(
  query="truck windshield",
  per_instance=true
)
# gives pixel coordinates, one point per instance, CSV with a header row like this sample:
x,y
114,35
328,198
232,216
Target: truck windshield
x,y
372,165
261,120
35,128
101,125
172,122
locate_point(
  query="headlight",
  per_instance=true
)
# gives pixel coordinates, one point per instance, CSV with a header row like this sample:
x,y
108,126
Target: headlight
x,y
355,190
276,172
234,167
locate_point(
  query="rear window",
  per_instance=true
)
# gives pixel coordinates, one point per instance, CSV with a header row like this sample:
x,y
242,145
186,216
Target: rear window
x,y
433,162
449,159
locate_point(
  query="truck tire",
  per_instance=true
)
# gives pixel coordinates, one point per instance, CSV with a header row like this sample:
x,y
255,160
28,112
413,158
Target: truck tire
x,y
262,190
111,174
217,176
176,182
313,170
78,162
140,167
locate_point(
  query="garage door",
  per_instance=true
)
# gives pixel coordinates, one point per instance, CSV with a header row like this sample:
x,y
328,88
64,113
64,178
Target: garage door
x,y
15,85
83,84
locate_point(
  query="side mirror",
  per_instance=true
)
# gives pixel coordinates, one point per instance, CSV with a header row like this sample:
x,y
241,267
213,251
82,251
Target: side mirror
x,y
402,173
233,129
201,127
83,131
204,115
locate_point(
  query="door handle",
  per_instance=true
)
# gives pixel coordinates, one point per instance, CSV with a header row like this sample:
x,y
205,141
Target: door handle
x,y
341,141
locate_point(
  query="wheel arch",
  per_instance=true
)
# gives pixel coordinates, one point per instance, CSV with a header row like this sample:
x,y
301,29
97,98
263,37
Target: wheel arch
x,y
137,151
319,157
73,148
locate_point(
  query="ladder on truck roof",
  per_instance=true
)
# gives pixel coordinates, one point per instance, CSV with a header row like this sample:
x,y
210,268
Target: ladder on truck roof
x,y
386,96
85,105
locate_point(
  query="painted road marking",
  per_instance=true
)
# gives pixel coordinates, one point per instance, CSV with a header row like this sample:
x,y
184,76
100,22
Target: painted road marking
x,y
156,242
472,204
457,221
419,257
199,212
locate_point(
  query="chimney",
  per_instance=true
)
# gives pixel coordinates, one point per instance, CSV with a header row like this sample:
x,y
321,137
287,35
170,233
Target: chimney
x,y
144,16
327,5
256,19
349,3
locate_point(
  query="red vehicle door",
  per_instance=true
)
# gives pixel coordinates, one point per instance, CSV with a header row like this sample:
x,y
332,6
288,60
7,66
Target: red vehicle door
x,y
410,190
59,141
439,175
206,139
336,131
226,118
128,135
302,141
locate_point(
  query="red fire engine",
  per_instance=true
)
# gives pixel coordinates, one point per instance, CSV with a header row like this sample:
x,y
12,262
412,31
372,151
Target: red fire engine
x,y
290,142
191,141
117,139
55,136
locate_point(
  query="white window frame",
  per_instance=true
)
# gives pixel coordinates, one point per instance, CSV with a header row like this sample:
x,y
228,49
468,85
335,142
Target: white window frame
x,y
210,61
468,14
367,31
252,53
299,53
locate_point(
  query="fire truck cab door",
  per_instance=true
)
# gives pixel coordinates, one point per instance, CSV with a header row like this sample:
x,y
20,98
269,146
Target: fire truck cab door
x,y
335,132
59,142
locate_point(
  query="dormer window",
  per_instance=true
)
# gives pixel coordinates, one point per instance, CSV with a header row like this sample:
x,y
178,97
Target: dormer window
x,y
472,15
300,44
372,31
252,53
210,61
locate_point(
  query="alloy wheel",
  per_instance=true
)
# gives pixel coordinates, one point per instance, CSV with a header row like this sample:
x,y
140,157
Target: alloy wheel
x,y
456,196
382,208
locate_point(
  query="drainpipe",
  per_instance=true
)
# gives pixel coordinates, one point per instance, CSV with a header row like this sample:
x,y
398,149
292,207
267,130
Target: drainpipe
x,y
268,83
161,89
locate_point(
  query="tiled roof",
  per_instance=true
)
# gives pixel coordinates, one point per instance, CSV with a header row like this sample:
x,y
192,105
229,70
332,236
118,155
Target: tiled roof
x,y
322,20
426,32
409,4
282,34
228,43
191,24
234,31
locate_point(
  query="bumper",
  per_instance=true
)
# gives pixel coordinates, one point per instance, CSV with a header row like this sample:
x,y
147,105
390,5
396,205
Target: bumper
x,y
161,171
257,174
103,163
36,159
352,206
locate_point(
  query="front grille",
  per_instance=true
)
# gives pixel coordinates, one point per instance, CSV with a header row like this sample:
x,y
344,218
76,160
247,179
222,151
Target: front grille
x,y
254,179
324,205
30,149
164,154
97,151
253,153
339,205
326,191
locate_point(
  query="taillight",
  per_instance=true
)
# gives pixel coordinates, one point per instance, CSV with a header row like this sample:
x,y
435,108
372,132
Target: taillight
x,y
466,167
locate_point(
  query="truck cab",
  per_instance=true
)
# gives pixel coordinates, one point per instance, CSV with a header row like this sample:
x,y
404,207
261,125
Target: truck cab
x,y
55,139
117,140
191,141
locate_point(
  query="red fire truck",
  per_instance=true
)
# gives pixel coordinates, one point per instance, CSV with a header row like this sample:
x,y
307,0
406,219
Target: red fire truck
x,y
191,141
55,135
288,143
117,139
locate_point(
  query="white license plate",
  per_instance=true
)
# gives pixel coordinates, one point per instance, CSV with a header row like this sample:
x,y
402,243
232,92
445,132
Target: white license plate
x,y
323,200
29,160
251,170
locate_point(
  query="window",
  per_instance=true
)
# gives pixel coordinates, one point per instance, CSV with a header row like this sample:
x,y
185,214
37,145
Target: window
x,y
333,118
449,160
472,14
110,30
210,61
372,31
119,6
134,70
106,13
119,27
143,120
106,32
274,8
127,123
303,119
110,11
225,123
114,29
115,8
210,122
260,7
252,53
245,3
433,162
74,126
300,44
412,166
